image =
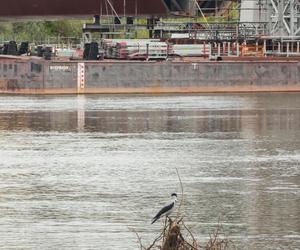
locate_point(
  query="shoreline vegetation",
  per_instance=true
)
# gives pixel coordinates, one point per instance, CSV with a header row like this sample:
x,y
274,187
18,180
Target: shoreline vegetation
x,y
43,31
55,32
40,31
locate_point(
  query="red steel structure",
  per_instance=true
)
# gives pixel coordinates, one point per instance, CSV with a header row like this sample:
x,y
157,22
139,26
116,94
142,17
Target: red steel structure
x,y
44,9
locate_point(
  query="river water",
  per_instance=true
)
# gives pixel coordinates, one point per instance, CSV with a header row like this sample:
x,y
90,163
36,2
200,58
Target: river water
x,y
80,172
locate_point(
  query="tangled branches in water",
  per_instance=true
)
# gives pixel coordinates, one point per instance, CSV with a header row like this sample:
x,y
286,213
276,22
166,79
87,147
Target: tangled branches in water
x,y
175,235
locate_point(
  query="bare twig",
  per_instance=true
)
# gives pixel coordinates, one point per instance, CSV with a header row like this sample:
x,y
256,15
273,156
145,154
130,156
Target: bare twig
x,y
187,243
194,240
155,241
138,237
161,236
217,242
181,199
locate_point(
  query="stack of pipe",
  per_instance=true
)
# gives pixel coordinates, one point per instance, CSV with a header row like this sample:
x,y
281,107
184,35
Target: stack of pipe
x,y
135,49
191,49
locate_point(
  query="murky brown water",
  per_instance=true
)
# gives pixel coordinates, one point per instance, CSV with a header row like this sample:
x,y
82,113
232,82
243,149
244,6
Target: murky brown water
x,y
76,172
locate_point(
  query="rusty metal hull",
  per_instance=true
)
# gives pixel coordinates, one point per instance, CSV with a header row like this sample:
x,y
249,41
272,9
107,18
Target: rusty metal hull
x,y
44,9
36,76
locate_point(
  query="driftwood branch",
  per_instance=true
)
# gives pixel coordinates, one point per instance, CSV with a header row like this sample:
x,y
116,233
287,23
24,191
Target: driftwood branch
x,y
171,238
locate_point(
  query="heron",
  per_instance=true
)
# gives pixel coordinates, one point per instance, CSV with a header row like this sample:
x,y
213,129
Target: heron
x,y
167,209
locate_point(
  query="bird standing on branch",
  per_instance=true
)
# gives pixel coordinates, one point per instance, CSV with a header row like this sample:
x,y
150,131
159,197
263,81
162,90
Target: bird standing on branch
x,y
166,210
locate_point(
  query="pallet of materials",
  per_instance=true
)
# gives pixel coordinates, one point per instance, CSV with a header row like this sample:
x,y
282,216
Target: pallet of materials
x,y
135,49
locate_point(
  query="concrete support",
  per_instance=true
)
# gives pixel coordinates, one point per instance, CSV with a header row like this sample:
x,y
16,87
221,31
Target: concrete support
x,y
147,51
292,17
237,49
265,47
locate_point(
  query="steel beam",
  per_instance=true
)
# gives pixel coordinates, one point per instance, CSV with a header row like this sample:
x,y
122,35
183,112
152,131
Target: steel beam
x,y
283,17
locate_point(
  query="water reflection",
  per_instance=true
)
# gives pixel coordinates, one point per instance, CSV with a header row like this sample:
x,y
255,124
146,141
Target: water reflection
x,y
196,121
75,172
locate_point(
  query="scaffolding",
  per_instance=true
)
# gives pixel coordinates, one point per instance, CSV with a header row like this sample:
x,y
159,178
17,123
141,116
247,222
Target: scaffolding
x,y
281,17
278,26
271,27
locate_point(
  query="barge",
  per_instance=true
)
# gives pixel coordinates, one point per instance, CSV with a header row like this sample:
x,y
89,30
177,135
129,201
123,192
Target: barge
x,y
33,75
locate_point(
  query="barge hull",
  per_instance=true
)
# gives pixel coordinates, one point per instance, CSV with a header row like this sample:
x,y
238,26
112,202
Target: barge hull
x,y
49,77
